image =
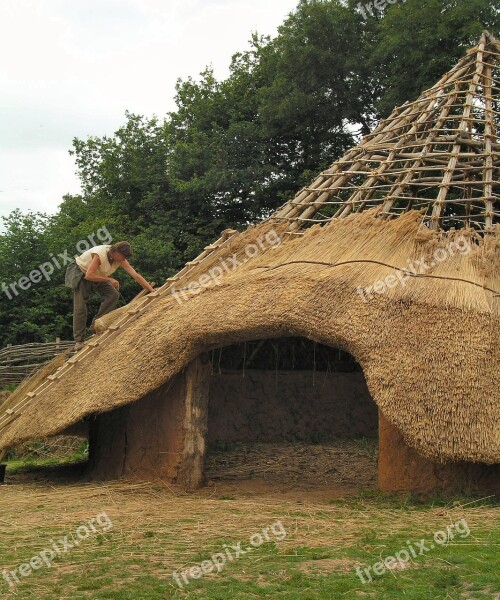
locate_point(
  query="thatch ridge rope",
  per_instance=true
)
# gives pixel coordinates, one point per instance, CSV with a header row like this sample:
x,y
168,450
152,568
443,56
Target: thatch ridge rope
x,y
378,262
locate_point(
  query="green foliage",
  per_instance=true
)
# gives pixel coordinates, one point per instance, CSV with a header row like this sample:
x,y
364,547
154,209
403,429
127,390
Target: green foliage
x,y
234,150
419,40
31,314
314,85
8,388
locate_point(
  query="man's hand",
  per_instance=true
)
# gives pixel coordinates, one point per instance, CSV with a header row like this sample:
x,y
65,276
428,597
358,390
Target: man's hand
x,y
114,282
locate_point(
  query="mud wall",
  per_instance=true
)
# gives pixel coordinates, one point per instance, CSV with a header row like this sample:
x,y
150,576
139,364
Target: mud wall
x,y
402,469
144,439
269,406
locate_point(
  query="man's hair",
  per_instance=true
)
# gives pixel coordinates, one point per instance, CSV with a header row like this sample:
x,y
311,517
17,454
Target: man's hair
x,y
123,248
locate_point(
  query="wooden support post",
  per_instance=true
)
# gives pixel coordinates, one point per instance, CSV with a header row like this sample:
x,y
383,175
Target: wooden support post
x,y
191,474
162,436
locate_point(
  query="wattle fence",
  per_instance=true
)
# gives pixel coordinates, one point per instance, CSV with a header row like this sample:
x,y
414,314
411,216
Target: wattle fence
x,y
17,362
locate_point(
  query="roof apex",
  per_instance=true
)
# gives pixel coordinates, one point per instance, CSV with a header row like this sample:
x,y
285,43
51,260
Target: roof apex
x,y
439,153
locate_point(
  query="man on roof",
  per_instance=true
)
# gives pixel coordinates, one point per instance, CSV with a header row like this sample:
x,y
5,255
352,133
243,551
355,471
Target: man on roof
x,y
91,272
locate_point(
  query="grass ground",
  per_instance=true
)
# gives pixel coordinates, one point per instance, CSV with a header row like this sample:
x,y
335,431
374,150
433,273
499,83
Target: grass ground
x,y
315,542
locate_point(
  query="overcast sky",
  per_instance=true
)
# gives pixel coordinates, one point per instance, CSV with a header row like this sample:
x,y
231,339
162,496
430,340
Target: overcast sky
x,y
70,68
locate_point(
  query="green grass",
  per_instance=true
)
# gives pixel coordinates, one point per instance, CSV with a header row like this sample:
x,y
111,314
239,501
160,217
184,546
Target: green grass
x,y
32,464
8,388
156,532
46,452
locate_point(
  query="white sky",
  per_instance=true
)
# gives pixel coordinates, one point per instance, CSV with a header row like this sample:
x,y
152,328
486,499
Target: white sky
x,y
70,68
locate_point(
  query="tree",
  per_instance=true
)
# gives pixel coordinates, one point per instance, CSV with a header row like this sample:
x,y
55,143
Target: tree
x,y
316,94
419,40
31,309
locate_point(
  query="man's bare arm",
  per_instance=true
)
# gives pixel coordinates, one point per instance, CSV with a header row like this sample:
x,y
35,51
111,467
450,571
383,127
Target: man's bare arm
x,y
138,277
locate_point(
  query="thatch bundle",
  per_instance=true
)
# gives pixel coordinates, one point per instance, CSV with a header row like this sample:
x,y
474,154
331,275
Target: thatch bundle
x,y
350,264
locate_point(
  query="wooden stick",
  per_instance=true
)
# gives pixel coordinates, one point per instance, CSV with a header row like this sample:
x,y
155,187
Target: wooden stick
x,y
452,163
489,134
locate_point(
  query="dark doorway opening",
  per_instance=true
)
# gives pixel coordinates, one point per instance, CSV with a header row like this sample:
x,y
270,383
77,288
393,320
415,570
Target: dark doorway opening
x,y
290,411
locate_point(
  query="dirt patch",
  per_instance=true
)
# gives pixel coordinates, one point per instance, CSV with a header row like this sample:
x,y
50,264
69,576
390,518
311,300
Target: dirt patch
x,y
471,595
328,565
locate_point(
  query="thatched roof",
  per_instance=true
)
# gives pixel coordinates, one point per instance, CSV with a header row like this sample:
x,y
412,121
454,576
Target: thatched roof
x,y
428,343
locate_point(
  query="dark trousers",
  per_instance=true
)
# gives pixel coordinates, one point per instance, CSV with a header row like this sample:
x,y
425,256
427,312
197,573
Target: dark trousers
x,y
81,295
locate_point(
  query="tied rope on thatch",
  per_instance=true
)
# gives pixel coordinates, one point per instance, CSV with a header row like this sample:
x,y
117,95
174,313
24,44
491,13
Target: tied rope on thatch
x,y
377,262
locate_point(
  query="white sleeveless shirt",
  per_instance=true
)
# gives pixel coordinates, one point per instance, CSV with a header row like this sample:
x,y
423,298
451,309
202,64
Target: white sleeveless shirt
x,y
105,269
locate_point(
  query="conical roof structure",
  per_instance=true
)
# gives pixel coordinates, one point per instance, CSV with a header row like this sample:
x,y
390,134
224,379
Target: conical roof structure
x,y
344,274
438,154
